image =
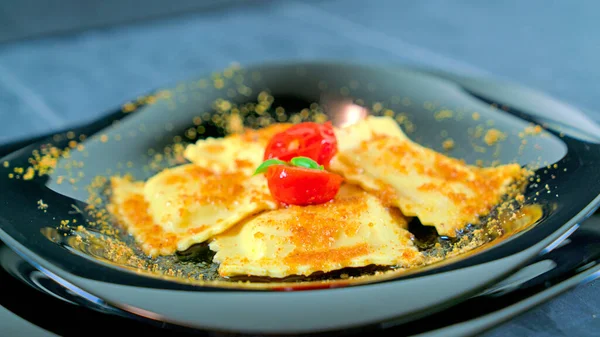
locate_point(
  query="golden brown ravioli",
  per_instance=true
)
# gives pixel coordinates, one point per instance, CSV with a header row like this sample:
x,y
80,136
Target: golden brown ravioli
x,y
185,205
234,153
189,204
441,191
353,230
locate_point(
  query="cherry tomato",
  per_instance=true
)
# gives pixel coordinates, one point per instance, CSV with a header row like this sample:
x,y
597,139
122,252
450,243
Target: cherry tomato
x,y
302,186
308,139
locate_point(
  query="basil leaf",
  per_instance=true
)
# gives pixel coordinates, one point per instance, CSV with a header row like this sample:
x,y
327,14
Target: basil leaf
x,y
306,163
265,165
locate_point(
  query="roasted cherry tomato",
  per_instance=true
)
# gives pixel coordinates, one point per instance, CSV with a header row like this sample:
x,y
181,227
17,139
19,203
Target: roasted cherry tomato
x,y
308,139
294,185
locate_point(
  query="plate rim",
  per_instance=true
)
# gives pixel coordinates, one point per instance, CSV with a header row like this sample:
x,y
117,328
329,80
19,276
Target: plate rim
x,y
554,235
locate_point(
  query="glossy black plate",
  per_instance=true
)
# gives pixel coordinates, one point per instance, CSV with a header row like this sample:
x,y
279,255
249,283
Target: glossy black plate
x,y
568,191
573,263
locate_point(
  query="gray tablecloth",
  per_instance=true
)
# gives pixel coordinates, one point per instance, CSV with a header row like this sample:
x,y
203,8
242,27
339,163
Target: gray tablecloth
x,y
50,83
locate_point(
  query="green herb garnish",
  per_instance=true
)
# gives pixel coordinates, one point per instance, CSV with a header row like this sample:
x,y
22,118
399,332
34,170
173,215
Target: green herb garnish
x,y
265,165
306,163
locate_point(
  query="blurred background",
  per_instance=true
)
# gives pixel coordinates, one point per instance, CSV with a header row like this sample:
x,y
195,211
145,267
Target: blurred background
x,y
66,62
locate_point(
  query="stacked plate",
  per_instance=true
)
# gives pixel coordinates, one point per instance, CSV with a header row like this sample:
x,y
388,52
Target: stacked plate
x,y
509,277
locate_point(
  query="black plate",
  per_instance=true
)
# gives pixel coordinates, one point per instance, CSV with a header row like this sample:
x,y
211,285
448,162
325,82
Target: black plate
x,y
573,263
569,193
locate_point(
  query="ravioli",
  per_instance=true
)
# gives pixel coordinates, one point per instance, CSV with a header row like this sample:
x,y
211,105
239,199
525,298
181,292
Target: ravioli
x,y
441,191
131,210
352,136
185,205
191,203
240,153
388,178
353,230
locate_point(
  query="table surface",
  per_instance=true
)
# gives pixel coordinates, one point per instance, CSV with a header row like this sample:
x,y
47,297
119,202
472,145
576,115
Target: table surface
x,y
50,83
